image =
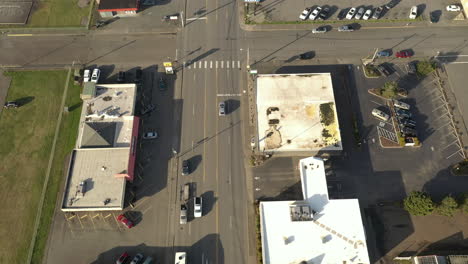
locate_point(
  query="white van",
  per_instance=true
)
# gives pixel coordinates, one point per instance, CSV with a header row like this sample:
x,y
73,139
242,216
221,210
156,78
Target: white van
x,y
401,105
380,115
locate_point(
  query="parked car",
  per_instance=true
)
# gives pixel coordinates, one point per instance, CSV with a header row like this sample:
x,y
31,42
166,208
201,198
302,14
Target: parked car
x,y
162,84
121,77
95,75
407,122
137,259
319,30
404,54
222,108
86,75
401,105
382,68
124,258
360,13
11,104
378,12
150,135
197,207
315,13
124,220
346,28
351,13
185,167
183,214
306,55
324,14
392,4
453,8
409,132
305,14
413,12
412,69
383,53
380,114
342,14
402,126
138,75
367,14
434,16
403,113
148,109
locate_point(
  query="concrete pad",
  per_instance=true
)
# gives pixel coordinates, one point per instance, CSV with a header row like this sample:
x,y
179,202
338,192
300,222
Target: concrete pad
x,y
14,12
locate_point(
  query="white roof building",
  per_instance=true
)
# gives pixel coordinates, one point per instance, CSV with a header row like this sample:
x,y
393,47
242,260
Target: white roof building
x,y
297,113
316,230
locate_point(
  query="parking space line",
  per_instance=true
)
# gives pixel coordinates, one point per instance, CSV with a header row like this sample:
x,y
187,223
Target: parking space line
x,y
83,216
437,108
456,141
95,216
444,115
107,216
376,103
457,152
81,224
448,123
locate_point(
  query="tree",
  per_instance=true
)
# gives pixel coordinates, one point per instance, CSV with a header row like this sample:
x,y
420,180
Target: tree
x,y
447,206
389,89
418,203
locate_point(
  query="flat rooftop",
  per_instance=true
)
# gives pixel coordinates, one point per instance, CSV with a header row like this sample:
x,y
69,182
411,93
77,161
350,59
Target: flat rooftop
x,y
297,113
100,168
112,101
333,234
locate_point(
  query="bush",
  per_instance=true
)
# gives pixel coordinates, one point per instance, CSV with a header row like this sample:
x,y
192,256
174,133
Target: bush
x,y
423,68
371,71
447,206
327,114
389,90
418,203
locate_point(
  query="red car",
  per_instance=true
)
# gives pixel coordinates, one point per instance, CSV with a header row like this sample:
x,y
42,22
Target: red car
x,y
404,54
122,219
124,258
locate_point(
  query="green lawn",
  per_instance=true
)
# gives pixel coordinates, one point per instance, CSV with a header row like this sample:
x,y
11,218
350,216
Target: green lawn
x,y
57,13
27,135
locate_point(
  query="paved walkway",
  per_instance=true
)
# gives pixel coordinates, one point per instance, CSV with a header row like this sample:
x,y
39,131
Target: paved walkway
x,y
4,85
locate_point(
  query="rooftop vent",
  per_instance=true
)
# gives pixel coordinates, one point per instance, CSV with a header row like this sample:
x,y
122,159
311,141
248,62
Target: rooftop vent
x,y
300,213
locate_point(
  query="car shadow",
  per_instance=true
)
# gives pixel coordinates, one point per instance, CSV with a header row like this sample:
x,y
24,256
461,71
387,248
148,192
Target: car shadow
x,y
195,161
24,100
232,105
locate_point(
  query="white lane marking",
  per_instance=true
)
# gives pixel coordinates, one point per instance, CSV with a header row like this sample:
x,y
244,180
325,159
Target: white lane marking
x,y
233,64
230,221
199,64
196,18
238,64
228,94
211,64
450,56
216,64
456,62
205,64
195,65
222,64
227,64
376,103
193,110
175,54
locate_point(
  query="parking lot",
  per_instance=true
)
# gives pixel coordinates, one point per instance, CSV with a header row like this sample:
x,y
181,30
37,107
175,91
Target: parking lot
x,y
281,10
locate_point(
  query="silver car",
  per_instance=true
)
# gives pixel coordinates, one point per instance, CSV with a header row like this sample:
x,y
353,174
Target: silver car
x,y
319,30
183,214
359,13
222,108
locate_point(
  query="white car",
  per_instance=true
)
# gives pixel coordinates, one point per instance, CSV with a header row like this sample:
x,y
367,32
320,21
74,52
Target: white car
x,y
367,14
150,135
359,13
315,13
413,12
319,30
95,75
351,13
380,115
305,14
86,75
197,207
454,8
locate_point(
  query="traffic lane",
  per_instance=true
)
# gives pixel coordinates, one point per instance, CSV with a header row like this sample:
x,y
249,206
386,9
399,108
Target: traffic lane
x,y
86,49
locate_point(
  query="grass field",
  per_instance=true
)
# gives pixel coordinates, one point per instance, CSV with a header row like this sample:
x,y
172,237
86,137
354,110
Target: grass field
x,y
57,13
25,145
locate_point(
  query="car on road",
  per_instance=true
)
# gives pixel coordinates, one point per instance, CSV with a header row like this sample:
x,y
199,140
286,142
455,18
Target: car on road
x,y
222,108
378,12
137,259
95,75
315,13
383,69
360,13
380,114
124,220
384,53
305,14
307,55
413,12
86,75
453,8
346,28
197,207
138,75
367,14
124,258
121,77
162,84
404,54
351,13
150,135
319,30
183,214
186,167
324,14
11,104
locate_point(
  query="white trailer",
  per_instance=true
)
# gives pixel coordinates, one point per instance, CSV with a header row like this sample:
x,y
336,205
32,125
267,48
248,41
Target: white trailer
x,y
180,257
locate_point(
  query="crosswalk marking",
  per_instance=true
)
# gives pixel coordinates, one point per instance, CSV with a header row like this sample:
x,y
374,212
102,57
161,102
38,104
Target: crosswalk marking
x,y
227,64
212,64
238,64
222,64
199,64
233,66
205,64
216,64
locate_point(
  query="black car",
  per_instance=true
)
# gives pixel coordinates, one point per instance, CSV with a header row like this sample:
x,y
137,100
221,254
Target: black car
x,y
185,167
403,113
306,55
342,14
11,104
121,77
435,16
405,122
138,75
377,13
384,69
324,14
409,132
